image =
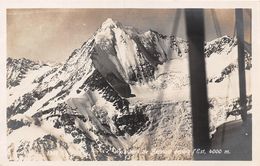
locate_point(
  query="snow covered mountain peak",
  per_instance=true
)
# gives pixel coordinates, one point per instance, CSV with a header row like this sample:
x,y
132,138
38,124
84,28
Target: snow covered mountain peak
x,y
118,90
223,39
115,26
110,23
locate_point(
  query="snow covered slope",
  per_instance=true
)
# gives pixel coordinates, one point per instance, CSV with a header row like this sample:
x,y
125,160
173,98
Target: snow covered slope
x,y
122,95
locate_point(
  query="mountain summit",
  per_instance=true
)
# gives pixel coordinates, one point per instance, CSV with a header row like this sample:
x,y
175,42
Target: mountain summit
x,y
110,23
120,94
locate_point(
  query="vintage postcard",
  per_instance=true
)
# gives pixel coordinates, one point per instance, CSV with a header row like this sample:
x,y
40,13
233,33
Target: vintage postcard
x,y
129,83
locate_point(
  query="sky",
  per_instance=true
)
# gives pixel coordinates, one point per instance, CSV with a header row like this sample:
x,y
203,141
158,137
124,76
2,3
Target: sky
x,y
52,34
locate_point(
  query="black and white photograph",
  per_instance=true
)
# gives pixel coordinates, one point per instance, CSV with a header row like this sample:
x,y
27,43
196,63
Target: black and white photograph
x,y
129,84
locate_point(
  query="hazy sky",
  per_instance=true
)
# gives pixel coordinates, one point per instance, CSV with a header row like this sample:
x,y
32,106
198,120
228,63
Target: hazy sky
x,y
52,34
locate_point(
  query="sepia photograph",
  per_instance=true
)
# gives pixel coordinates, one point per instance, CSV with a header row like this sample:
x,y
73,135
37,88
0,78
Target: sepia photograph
x,y
129,84
123,92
